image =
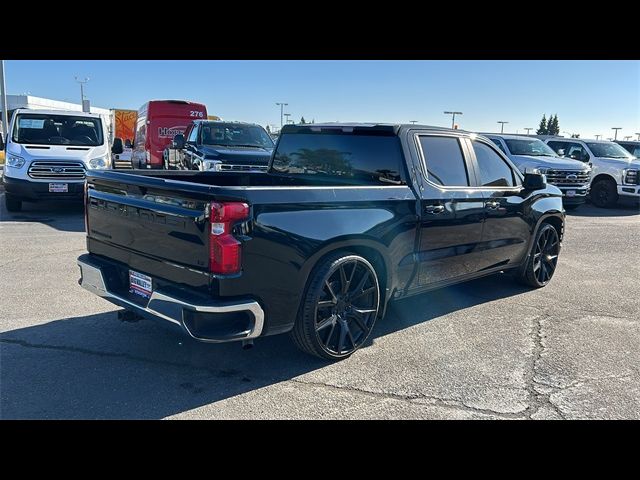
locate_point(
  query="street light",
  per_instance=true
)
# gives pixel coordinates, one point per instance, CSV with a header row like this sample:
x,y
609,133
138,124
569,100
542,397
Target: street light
x,y
598,137
82,83
287,121
413,121
528,130
3,105
627,137
615,137
282,105
453,117
502,125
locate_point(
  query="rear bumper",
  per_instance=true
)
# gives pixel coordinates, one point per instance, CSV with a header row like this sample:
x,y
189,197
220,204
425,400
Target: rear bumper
x,y
211,322
34,191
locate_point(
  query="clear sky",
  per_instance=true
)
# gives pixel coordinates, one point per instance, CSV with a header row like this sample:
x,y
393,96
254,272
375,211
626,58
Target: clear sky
x,y
589,97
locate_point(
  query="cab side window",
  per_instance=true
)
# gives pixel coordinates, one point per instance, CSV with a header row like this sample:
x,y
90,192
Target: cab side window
x,y
494,171
193,135
444,161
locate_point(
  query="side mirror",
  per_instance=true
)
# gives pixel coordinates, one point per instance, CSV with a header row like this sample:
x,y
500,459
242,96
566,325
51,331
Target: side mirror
x,y
116,148
178,141
534,181
127,143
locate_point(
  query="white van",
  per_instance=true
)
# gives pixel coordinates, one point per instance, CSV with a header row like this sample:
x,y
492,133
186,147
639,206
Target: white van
x,y
48,152
615,172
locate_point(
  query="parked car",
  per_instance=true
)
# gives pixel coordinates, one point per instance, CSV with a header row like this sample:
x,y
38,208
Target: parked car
x,y
158,122
614,174
572,177
220,146
380,212
48,152
631,146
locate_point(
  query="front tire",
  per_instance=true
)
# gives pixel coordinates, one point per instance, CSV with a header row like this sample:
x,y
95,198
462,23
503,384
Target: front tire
x,y
13,204
339,309
544,258
604,193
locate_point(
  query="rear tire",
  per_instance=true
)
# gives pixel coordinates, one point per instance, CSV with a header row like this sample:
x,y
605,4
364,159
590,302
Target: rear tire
x,y
604,193
339,309
13,204
543,261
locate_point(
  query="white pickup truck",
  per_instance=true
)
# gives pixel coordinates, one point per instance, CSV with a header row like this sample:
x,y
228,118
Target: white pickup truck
x,y
615,174
48,153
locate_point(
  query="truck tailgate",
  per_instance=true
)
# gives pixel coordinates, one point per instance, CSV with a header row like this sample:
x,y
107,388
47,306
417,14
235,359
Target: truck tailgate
x,y
150,217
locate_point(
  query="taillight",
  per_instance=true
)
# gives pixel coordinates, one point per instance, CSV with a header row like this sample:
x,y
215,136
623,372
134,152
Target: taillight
x,y
225,252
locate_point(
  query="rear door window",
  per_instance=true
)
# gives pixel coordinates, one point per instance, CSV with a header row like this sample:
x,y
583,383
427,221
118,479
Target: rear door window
x,y
444,161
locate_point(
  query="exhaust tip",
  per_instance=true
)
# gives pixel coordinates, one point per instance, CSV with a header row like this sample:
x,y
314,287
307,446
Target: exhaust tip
x,y
247,344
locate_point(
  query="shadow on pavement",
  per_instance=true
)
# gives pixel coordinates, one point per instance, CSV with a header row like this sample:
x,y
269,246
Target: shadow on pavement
x,y
589,210
97,367
67,216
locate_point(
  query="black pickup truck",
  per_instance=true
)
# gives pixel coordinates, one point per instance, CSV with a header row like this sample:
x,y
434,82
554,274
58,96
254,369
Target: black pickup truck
x,y
220,146
347,218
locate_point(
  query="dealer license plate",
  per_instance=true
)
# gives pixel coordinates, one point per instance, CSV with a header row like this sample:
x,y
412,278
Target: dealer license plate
x,y
140,284
571,193
58,187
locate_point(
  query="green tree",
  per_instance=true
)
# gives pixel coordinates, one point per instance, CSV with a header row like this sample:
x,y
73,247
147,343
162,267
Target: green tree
x,y
553,127
542,129
302,121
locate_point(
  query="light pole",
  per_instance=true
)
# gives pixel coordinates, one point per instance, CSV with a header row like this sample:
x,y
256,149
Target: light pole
x,y
615,137
597,136
287,115
638,135
3,93
282,105
453,117
528,130
413,121
627,137
82,82
502,125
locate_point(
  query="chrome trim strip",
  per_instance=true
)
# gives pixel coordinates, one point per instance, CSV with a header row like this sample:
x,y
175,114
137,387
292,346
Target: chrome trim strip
x,y
93,281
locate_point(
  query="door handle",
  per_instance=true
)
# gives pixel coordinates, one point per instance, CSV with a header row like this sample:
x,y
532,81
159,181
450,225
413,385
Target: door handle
x,y
492,205
434,209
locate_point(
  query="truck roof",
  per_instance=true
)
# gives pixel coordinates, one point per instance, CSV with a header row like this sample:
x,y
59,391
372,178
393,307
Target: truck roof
x,y
58,112
509,135
393,128
204,120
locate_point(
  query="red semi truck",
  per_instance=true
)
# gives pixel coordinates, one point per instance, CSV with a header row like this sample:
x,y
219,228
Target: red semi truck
x,y
158,122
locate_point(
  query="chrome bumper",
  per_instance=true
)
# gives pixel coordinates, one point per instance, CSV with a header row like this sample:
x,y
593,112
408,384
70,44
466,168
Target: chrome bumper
x,y
171,309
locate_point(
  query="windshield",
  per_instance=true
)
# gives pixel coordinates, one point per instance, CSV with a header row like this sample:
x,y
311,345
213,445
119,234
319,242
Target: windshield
x,y
608,150
533,147
237,135
43,129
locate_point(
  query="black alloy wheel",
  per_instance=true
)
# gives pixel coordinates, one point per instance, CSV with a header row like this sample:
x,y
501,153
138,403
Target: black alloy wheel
x,y
604,194
544,259
340,308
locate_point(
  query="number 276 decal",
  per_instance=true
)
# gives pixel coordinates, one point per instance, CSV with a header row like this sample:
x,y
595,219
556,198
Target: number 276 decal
x,y
194,113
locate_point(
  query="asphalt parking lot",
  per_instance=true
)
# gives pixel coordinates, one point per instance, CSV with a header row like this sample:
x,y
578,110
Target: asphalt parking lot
x,y
485,349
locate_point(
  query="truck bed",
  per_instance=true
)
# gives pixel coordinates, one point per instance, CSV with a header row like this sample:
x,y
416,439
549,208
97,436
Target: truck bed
x,y
156,223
